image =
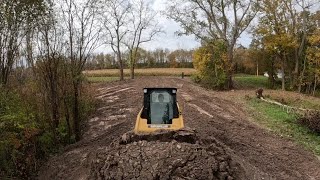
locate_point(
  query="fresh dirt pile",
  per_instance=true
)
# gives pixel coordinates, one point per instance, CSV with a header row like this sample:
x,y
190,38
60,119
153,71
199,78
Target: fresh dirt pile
x,y
165,155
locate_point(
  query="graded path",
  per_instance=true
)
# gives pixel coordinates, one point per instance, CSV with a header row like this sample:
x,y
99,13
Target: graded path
x,y
261,154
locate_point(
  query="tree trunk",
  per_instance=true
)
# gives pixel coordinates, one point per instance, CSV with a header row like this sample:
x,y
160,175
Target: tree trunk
x,y
132,63
230,68
132,71
257,68
315,85
120,64
67,115
76,118
302,75
283,76
296,69
55,106
29,36
271,73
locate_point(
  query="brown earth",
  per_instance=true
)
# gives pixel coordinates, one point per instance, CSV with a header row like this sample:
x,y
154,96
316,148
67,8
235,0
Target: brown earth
x,y
229,145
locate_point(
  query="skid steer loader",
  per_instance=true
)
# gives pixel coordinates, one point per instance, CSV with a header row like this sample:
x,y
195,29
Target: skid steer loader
x,y
160,111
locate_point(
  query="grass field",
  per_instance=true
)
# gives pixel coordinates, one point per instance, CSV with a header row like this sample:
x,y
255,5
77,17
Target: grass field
x,y
284,124
250,81
95,79
141,72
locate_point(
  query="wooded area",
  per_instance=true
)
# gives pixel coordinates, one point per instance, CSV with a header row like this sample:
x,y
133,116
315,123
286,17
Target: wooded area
x,y
46,45
285,38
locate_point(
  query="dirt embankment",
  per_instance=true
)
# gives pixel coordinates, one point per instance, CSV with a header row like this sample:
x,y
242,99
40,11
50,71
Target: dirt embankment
x,y
228,146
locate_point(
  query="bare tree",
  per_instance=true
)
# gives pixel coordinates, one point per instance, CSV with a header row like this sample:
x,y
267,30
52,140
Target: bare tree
x,y
114,16
11,15
82,36
142,28
49,59
14,17
214,20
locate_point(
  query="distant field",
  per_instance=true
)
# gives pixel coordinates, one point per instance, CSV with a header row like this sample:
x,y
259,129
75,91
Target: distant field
x,y
141,72
102,79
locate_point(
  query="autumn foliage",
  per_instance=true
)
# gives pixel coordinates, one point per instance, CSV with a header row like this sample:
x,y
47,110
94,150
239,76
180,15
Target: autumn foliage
x,y
210,61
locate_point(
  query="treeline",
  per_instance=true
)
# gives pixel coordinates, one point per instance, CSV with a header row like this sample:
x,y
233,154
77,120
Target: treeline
x,y
43,49
286,40
159,58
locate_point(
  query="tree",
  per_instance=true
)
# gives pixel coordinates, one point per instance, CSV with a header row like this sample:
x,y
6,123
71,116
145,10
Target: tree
x,y
277,30
142,29
82,36
284,27
313,56
215,20
209,61
13,16
48,64
115,17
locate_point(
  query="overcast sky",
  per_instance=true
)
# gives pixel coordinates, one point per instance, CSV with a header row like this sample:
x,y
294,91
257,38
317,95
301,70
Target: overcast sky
x,y
169,39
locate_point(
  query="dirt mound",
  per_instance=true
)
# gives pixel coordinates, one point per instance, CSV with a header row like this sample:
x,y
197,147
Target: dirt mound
x,y
164,159
187,135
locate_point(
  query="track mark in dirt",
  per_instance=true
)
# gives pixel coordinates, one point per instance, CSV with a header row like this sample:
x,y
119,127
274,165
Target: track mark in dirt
x,y
106,89
219,111
115,92
187,97
111,99
202,111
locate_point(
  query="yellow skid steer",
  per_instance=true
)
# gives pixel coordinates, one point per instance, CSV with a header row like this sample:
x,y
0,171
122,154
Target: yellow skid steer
x,y
160,111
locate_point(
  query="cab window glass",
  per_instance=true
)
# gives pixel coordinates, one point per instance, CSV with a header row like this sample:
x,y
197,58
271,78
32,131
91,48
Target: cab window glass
x,y
161,107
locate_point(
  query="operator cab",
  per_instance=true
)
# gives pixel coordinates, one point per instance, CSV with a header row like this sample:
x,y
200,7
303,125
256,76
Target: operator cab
x,y
160,110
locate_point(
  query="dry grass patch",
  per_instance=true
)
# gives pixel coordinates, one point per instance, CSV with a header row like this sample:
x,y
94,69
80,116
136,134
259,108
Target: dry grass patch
x,y
142,72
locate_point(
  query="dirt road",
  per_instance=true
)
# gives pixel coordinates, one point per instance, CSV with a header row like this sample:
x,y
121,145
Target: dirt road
x,y
262,154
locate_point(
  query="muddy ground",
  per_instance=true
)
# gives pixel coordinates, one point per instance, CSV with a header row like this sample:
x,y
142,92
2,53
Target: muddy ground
x,y
229,145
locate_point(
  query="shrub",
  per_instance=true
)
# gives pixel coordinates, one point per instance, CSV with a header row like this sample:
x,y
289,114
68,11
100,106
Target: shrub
x,y
211,66
312,122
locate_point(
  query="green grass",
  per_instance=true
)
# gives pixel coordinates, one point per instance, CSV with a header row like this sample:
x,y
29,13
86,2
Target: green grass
x,y
274,118
251,81
102,79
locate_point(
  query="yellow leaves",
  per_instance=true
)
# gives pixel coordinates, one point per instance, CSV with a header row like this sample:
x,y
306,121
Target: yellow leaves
x,y
280,43
201,57
314,39
313,51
